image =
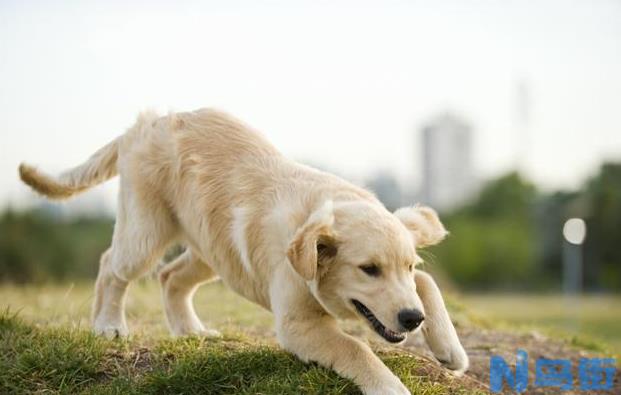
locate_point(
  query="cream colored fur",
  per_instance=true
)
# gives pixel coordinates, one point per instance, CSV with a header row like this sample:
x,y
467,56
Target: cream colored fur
x,y
287,237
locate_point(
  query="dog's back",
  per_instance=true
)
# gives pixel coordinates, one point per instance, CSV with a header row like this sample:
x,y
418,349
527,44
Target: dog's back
x,y
208,180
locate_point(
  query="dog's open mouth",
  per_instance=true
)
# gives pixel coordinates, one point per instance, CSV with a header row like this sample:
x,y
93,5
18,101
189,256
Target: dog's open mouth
x,y
390,335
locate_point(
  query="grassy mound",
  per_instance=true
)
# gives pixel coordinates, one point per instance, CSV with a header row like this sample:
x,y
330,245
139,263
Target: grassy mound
x,y
63,360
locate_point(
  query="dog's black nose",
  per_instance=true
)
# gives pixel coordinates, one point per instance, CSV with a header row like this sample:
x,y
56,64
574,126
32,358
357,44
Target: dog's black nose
x,y
410,319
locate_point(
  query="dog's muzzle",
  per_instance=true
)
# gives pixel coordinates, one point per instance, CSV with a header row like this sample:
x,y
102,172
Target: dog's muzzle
x,y
388,334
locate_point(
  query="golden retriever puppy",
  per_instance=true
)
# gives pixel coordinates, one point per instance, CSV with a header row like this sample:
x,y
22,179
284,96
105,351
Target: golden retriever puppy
x,y
307,245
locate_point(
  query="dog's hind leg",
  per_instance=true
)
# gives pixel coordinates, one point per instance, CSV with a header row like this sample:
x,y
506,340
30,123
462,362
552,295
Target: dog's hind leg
x,y
180,279
143,229
108,317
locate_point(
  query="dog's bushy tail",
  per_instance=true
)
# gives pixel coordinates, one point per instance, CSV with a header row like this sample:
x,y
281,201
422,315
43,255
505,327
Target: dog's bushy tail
x,y
101,166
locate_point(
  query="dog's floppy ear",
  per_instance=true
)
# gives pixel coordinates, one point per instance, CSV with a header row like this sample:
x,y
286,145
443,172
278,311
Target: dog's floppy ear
x,y
312,242
424,224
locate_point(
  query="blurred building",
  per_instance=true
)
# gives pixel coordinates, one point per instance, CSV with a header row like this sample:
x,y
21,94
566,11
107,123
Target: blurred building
x,y
448,178
387,189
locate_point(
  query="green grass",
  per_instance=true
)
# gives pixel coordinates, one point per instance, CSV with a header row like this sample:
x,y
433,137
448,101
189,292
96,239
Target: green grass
x,y
46,346
70,305
64,360
591,322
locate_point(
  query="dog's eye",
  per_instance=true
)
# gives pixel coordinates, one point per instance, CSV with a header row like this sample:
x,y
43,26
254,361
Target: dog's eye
x,y
410,267
372,270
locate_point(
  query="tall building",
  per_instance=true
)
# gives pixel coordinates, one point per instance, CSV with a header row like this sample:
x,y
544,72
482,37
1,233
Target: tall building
x,y
448,178
387,189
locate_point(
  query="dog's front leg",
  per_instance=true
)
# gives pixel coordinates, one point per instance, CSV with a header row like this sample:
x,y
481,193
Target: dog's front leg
x,y
320,339
437,328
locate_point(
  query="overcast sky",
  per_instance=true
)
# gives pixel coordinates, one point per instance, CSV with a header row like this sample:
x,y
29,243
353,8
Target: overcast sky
x,y
343,84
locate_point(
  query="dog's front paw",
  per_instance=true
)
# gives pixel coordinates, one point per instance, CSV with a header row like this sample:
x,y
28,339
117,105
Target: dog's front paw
x,y
211,333
111,332
194,328
394,386
455,359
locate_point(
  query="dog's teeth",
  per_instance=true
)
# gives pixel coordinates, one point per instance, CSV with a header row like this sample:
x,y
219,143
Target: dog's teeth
x,y
386,333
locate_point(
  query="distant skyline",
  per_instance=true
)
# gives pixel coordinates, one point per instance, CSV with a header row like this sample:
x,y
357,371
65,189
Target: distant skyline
x,y
347,85
448,179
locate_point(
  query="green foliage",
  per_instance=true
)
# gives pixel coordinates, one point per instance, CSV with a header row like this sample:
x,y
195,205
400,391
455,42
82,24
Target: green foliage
x,y
509,197
487,253
37,247
602,198
510,235
492,239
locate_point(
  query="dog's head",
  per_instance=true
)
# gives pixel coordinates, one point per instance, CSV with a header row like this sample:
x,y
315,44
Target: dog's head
x,y
359,260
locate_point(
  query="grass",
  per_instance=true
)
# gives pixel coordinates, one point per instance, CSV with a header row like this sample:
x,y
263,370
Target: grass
x,y
46,347
591,322
65,360
70,305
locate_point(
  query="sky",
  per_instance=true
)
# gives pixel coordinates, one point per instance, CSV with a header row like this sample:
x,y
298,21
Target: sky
x,y
343,84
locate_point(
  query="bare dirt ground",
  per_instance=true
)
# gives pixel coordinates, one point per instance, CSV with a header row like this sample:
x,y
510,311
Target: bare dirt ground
x,y
481,344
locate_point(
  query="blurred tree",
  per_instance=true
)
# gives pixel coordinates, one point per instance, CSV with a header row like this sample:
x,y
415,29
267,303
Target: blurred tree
x,y
492,242
602,195
36,247
510,235
551,214
509,196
